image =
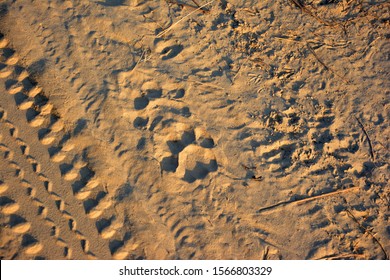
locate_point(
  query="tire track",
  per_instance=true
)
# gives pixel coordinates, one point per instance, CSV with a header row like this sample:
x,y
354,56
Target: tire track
x,y
25,196
95,199
39,114
35,195
47,184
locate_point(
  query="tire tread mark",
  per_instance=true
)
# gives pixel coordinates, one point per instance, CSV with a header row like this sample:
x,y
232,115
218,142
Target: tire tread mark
x,y
42,115
60,203
39,205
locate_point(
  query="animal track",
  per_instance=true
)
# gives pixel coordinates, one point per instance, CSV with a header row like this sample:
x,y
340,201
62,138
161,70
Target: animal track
x,y
294,141
168,50
129,159
188,153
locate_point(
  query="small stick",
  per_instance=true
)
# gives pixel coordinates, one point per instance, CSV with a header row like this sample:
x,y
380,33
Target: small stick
x,y
263,209
196,3
139,60
342,256
323,64
305,200
368,139
319,60
176,23
365,230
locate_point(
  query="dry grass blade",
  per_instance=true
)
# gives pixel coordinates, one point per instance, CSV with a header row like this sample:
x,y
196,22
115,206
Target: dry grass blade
x,y
342,256
196,3
365,230
139,60
368,139
305,200
325,66
183,18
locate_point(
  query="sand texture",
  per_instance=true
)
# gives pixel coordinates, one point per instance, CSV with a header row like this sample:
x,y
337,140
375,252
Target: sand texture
x,y
226,129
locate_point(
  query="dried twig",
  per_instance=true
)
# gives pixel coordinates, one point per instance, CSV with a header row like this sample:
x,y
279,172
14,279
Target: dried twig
x,y
302,201
139,60
368,139
183,18
323,64
365,230
305,200
341,256
196,3
319,60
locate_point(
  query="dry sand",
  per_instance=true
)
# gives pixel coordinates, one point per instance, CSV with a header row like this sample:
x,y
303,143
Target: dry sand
x,y
136,129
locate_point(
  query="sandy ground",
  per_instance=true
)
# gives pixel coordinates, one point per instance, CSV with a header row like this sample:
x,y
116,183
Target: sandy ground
x,y
137,129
